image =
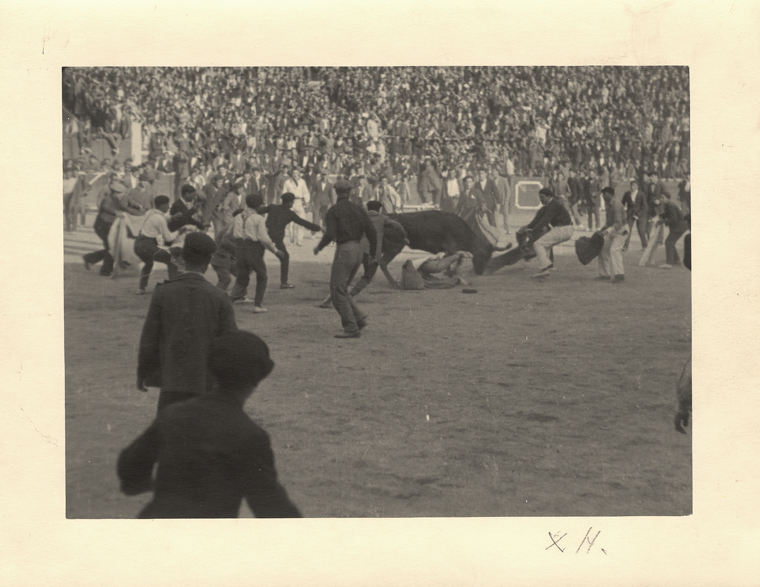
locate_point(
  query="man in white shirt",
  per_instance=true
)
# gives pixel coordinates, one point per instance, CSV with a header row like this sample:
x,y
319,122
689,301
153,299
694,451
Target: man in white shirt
x,y
155,232
296,186
251,238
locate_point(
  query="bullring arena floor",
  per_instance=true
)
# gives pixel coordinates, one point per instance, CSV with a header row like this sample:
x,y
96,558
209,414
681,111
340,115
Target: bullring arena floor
x,y
528,398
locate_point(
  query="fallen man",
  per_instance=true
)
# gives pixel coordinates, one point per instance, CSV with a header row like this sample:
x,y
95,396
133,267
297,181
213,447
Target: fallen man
x,y
422,273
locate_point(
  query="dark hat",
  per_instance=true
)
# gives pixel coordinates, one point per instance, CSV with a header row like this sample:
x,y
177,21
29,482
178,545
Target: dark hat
x,y
374,205
608,190
198,248
118,187
144,177
287,197
342,186
239,357
159,200
546,192
254,200
187,189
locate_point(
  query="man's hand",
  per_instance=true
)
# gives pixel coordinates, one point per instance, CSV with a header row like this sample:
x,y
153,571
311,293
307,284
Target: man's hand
x,y
141,386
316,250
279,254
681,420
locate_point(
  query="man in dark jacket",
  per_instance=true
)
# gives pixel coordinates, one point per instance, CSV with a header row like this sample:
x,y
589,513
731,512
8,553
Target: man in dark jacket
x,y
346,223
554,216
210,454
671,215
278,218
185,314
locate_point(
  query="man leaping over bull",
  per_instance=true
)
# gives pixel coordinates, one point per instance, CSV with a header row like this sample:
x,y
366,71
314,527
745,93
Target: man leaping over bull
x,y
552,216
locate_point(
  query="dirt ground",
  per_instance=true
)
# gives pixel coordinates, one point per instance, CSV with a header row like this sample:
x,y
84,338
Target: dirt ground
x,y
528,398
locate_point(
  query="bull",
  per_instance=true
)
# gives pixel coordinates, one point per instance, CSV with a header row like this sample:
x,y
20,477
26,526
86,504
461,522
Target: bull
x,y
438,232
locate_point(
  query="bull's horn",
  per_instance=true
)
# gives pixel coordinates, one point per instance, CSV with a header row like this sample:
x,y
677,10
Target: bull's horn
x,y
501,249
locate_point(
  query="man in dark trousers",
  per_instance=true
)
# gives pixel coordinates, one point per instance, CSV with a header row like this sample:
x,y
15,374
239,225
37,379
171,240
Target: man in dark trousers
x,y
278,218
185,314
346,223
113,205
210,454
251,239
670,215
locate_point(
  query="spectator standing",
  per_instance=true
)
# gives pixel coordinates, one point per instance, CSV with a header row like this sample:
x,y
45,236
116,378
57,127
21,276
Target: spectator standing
x,y
670,215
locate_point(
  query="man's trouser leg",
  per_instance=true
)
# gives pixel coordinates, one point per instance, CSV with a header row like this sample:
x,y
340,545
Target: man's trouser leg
x,y
543,244
284,261
260,268
145,248
224,277
604,260
244,268
348,257
370,268
102,229
617,242
642,226
671,253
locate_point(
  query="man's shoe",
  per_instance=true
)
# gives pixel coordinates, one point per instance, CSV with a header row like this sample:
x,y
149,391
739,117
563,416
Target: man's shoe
x,y
286,286
242,300
356,334
86,264
666,266
362,323
618,278
603,278
543,273
551,267
141,292
259,310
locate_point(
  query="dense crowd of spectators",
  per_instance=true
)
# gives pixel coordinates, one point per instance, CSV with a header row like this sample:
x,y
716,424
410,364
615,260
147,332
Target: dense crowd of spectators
x,y
395,122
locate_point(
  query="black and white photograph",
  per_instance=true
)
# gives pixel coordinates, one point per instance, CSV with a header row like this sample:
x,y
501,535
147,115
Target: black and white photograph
x,y
353,294
532,311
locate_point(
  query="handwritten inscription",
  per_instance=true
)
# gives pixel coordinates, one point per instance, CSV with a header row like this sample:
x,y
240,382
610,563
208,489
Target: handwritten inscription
x,y
585,545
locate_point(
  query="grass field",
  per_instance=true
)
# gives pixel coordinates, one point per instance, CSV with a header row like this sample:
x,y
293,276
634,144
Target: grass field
x,y
525,399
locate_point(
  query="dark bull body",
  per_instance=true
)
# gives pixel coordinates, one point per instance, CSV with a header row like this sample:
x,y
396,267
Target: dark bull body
x,y
436,232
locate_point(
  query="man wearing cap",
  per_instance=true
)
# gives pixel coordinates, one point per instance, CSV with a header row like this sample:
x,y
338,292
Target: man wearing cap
x,y
146,245
297,186
279,216
615,231
346,223
250,235
185,314
552,216
112,205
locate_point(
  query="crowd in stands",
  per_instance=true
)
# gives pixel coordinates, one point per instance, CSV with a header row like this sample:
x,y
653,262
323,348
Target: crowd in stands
x,y
405,124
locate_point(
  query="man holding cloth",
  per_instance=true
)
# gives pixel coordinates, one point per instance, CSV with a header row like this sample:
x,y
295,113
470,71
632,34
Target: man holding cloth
x,y
346,223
